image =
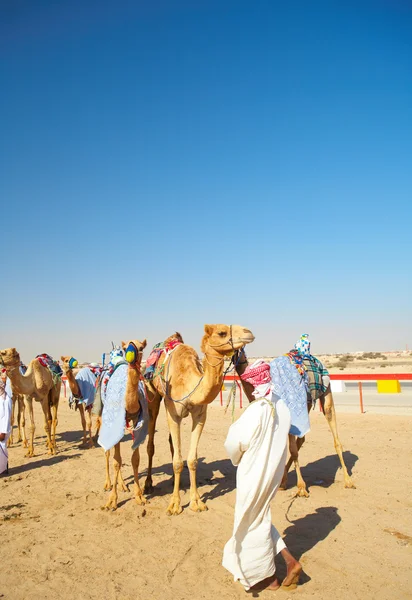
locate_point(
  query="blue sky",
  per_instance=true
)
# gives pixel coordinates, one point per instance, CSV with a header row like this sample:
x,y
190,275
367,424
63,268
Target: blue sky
x,y
184,163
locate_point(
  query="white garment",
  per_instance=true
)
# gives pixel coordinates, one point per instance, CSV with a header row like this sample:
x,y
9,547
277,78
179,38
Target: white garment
x,y
257,442
5,427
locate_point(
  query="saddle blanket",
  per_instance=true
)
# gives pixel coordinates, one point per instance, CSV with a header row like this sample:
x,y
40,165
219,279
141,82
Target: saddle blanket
x,y
318,377
290,386
52,365
86,381
114,411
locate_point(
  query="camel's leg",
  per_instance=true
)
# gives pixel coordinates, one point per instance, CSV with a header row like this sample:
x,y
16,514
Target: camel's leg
x,y
174,422
107,483
19,400
329,412
138,494
294,445
13,404
153,413
299,444
22,422
54,422
117,461
198,422
89,425
98,425
83,420
47,423
28,400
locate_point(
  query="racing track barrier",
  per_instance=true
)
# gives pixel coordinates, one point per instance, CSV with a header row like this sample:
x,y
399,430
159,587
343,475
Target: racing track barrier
x,y
359,378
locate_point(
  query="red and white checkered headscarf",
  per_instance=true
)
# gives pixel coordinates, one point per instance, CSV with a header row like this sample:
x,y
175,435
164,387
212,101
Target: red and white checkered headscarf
x,y
257,374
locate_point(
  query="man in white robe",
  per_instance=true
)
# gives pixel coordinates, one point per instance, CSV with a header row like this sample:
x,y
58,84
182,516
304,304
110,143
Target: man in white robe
x,y
257,444
5,422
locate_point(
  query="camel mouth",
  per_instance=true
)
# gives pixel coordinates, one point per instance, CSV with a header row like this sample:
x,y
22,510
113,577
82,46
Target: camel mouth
x,y
246,339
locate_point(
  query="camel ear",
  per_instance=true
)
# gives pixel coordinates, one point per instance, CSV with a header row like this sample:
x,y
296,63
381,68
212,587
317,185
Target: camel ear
x,y
124,345
62,358
209,329
144,343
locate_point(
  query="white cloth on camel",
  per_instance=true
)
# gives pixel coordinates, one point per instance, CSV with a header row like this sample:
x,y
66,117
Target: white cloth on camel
x,y
114,411
86,380
257,443
5,426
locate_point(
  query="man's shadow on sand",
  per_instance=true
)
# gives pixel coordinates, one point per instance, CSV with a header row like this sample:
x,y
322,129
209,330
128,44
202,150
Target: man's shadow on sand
x,y
304,534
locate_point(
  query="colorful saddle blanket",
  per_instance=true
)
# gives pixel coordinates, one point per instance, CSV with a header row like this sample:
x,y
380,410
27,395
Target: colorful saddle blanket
x,y
52,365
157,351
318,377
114,411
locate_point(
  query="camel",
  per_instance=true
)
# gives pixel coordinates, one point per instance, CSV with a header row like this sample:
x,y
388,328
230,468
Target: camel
x,y
133,352
38,383
68,363
295,443
188,385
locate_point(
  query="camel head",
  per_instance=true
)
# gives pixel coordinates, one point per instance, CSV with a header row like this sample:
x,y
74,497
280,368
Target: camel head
x,y
226,339
9,358
133,351
68,363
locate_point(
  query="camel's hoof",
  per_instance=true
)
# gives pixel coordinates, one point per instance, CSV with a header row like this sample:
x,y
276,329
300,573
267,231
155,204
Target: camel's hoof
x,y
302,493
111,504
25,444
148,488
107,487
350,485
141,500
29,455
283,488
174,508
198,506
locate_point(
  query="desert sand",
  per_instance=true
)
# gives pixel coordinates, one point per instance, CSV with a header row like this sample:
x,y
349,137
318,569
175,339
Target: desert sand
x,y
57,543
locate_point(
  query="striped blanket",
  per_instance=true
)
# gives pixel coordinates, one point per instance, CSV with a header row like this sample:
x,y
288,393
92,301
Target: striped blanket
x,y
318,377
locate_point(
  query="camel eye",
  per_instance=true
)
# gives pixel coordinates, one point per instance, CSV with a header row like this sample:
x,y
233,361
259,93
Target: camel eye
x,y
222,333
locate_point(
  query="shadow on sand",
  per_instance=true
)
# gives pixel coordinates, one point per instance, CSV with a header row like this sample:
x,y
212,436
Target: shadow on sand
x,y
323,470
31,464
303,535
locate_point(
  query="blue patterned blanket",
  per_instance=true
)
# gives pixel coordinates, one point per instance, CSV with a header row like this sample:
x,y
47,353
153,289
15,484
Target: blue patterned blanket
x,y
114,411
86,381
291,386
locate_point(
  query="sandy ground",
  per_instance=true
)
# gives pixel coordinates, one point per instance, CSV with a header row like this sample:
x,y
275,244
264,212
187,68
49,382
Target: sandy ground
x,y
58,543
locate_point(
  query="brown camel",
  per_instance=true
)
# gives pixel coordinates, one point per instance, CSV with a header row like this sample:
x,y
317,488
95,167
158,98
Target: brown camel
x,y
38,383
188,385
132,405
295,443
67,366
19,401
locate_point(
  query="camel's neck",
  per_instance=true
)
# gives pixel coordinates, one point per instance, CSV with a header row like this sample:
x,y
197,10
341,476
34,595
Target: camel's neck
x,y
132,403
74,386
247,387
213,364
23,384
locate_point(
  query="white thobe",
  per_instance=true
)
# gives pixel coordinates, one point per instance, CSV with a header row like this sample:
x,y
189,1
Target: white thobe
x,y
5,427
257,442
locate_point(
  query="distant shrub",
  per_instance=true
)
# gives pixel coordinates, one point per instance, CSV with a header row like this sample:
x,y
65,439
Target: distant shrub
x,y
383,366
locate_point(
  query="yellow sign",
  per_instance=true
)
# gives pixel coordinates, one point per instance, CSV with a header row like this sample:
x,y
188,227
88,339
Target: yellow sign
x,y
390,386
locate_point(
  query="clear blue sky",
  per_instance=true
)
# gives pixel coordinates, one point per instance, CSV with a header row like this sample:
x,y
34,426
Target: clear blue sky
x,y
183,163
